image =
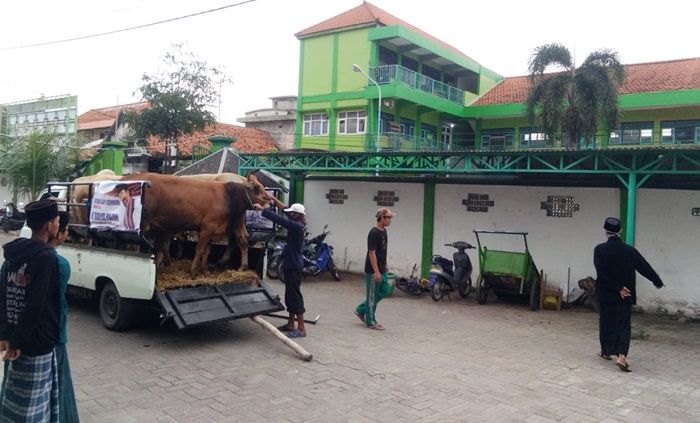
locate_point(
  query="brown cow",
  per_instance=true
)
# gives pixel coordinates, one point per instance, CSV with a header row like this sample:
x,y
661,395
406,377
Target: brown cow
x,y
174,204
220,177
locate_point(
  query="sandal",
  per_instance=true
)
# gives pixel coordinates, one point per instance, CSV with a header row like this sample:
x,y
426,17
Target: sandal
x,y
376,326
296,334
285,328
604,356
625,367
359,316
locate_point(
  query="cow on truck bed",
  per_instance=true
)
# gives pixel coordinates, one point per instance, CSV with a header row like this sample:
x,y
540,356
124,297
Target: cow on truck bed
x,y
174,204
125,280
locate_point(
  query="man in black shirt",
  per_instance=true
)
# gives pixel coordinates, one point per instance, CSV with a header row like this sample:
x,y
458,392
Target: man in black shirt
x,y
615,263
376,281
29,320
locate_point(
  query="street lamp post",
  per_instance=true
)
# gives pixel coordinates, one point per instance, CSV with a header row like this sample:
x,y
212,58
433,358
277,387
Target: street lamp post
x,y
357,68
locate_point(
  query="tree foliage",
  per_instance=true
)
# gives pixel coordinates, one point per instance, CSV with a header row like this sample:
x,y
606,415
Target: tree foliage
x,y
574,101
178,97
29,163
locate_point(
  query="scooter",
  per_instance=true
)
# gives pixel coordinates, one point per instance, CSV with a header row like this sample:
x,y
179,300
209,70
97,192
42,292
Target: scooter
x,y
12,219
444,278
318,260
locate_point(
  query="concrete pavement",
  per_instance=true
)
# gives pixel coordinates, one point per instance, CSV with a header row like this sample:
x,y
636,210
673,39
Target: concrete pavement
x,y
453,361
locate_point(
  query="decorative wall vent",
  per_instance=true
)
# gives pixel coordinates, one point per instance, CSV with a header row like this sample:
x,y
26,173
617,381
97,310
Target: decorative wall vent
x,y
477,202
695,211
386,198
559,206
336,196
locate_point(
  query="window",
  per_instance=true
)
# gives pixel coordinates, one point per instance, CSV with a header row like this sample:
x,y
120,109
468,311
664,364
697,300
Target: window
x,y
428,132
316,124
534,138
447,134
351,122
385,123
497,139
680,132
633,134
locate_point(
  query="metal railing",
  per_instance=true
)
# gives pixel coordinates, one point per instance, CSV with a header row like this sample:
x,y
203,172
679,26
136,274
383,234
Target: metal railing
x,y
398,74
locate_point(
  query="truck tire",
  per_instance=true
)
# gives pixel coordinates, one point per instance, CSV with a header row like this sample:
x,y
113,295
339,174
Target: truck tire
x,y
115,311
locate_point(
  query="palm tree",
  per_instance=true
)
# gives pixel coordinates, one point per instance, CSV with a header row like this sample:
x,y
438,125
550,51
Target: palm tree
x,y
29,163
576,100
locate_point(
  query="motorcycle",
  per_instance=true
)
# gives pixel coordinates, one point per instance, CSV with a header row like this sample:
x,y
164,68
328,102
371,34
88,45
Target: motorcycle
x,y
12,219
446,278
318,258
413,285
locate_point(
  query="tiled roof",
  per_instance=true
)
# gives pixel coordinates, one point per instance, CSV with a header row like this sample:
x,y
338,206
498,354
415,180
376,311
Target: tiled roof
x,y
368,14
674,75
248,140
104,117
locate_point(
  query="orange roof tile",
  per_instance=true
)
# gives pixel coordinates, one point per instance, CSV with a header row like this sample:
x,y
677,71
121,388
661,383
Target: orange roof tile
x,y
248,140
673,75
368,14
105,116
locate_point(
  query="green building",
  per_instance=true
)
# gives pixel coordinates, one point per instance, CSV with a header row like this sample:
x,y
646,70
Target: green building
x,y
435,98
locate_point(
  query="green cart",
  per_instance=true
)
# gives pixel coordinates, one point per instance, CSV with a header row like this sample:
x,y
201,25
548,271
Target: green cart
x,y
507,273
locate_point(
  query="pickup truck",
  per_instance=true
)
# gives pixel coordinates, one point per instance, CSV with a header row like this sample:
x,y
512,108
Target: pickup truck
x,y
124,281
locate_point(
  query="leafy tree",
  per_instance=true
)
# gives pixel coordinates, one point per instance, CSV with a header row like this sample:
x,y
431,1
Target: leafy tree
x,y
29,163
178,97
576,100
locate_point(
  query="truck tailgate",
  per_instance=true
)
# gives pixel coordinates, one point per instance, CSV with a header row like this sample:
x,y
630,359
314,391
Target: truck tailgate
x,y
207,304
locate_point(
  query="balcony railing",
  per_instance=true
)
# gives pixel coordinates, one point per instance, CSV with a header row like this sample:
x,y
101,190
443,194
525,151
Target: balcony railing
x,y
391,141
398,74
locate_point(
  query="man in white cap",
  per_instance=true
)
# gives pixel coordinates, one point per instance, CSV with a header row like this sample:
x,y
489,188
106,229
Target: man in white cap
x,y
293,260
376,279
615,264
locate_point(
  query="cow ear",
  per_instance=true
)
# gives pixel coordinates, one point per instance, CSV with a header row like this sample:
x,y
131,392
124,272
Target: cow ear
x,y
252,178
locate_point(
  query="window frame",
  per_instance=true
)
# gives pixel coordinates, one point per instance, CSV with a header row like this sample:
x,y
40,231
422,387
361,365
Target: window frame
x,y
673,125
505,133
619,133
322,119
343,121
543,142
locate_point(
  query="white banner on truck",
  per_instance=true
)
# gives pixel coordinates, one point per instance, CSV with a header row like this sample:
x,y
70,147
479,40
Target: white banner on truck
x,y
116,206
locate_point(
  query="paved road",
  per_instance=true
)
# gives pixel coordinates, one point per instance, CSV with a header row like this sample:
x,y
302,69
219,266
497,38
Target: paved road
x,y
454,361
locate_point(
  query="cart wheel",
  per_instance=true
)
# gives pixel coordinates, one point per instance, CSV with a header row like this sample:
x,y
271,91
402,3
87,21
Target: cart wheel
x,y
438,290
535,295
465,289
482,291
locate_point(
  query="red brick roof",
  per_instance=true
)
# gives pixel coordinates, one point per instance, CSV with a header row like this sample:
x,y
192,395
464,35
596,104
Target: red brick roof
x,y
248,140
368,14
673,75
105,117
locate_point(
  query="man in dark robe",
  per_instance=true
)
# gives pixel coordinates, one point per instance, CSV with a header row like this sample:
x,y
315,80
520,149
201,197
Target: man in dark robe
x,y
615,263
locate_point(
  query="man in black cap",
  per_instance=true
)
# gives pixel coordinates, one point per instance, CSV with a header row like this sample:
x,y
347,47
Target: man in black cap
x,y
615,263
29,320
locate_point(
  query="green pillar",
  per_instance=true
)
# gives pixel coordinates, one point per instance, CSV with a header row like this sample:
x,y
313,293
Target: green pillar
x,y
428,226
332,127
219,142
631,209
296,187
112,157
477,135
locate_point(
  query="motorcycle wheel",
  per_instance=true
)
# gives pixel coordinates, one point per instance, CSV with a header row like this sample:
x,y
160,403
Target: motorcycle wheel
x,y
273,267
465,289
482,291
333,270
280,270
438,290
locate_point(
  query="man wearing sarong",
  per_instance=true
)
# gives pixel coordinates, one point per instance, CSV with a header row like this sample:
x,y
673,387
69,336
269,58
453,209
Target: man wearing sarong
x,y
615,263
29,320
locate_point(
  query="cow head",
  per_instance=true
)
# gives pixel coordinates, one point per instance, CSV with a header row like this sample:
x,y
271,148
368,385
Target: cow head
x,y
256,191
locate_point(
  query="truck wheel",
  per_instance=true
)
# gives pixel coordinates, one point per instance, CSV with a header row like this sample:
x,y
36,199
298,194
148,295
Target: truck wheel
x,y
115,311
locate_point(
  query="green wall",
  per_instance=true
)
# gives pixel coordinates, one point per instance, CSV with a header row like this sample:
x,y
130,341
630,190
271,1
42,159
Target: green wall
x,y
353,48
318,64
